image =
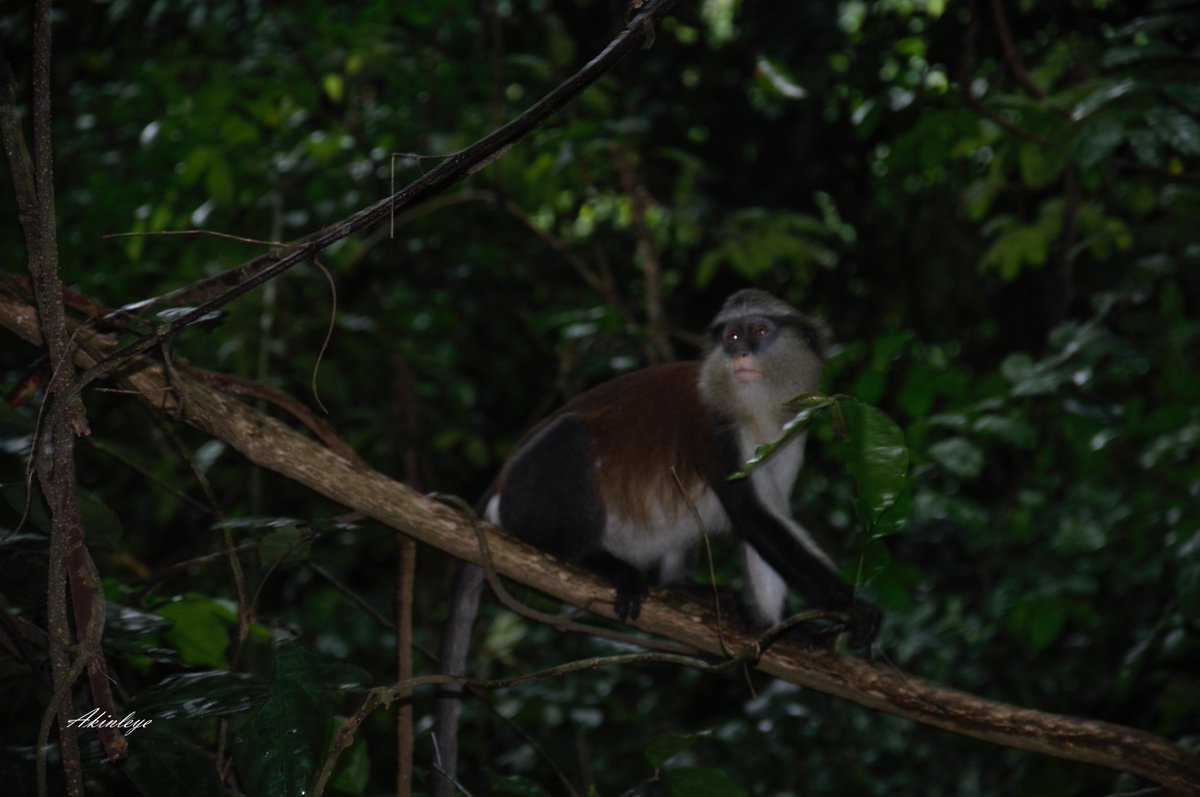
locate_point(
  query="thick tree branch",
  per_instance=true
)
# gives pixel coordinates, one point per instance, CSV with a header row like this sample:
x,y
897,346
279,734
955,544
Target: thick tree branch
x,y
271,444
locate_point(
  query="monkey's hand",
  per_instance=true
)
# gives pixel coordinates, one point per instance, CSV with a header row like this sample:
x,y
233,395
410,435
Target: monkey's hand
x,y
865,620
816,635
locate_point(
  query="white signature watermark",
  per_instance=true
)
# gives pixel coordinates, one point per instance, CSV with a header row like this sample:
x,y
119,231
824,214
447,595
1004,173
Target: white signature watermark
x,y
98,718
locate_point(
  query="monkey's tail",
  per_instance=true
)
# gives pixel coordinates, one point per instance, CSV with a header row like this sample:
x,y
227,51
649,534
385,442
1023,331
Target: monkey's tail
x,y
456,639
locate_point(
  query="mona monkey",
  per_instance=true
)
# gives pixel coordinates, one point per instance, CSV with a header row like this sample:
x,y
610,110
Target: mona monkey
x,y
616,479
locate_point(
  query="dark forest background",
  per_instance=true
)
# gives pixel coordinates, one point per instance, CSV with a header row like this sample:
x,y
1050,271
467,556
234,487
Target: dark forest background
x,y
994,205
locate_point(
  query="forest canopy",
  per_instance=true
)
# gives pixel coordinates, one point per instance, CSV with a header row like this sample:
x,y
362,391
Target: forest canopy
x,y
991,203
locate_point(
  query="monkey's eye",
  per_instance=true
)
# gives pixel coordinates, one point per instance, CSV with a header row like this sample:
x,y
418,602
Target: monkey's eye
x,y
759,330
733,334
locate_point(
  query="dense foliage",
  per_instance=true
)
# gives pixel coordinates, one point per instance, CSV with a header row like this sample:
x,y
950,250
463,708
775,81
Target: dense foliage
x,y
993,204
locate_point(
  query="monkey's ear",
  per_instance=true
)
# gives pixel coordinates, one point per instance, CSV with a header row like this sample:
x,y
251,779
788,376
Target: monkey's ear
x,y
816,334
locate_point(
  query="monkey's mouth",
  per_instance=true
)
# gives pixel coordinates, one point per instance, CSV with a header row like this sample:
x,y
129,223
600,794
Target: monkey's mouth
x,y
746,373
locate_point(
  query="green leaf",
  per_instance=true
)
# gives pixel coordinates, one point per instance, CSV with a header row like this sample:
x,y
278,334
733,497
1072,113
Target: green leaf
x,y
1186,94
200,635
1018,246
1105,91
663,748
1099,139
1176,128
278,751
286,546
1040,165
340,676
700,782
334,86
896,584
959,456
1014,431
212,693
893,519
124,622
1124,56
774,75
255,522
1147,146
219,179
876,456
869,386
101,523
1039,620
1029,378
756,242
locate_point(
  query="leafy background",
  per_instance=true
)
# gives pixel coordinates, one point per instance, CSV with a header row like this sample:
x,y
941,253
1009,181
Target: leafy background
x,y
1003,240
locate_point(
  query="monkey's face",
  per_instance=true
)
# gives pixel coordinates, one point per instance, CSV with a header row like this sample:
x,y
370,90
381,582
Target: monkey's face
x,y
745,340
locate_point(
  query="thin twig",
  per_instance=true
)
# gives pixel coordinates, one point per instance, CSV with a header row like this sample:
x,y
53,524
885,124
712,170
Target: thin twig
x,y
202,234
747,656
712,573
1012,54
328,332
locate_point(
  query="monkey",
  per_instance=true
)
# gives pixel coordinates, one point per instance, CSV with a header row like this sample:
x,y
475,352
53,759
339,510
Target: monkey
x,y
629,475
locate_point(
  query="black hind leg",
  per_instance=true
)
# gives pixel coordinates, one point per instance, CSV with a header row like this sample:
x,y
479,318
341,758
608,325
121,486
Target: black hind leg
x,y
628,580
549,500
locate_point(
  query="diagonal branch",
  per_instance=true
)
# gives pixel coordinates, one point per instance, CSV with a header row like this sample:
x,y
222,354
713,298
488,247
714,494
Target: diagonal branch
x,y
270,444
452,170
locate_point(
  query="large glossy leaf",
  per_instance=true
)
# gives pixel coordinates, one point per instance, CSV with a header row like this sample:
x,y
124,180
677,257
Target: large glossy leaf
x,y
876,456
194,695
1176,128
201,635
279,749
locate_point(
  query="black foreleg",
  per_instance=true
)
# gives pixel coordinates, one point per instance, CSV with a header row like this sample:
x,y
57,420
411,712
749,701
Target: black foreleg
x,y
779,542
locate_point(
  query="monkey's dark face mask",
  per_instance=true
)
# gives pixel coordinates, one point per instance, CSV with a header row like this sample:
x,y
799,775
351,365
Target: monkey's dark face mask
x,y
743,341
